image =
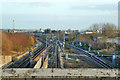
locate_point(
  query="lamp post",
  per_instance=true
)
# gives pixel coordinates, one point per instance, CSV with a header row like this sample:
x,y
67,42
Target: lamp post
x,y
30,52
114,56
89,48
97,46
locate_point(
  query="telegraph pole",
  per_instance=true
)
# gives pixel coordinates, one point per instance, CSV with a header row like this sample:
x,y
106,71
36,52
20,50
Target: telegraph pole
x,y
13,25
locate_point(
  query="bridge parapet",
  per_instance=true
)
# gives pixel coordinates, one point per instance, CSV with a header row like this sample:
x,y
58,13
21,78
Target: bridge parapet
x,y
58,73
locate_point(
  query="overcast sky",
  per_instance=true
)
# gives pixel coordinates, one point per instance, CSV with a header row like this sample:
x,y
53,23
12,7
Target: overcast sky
x,y
58,14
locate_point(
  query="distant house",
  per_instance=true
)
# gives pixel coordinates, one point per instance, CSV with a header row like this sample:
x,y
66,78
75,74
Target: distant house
x,y
68,31
41,31
114,40
98,31
16,31
82,32
98,38
89,32
76,31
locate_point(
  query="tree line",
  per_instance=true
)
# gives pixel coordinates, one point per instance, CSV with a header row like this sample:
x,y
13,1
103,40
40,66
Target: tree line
x,y
106,29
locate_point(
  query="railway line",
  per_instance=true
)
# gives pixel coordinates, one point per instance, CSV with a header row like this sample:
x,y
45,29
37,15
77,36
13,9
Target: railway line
x,y
35,53
93,57
24,61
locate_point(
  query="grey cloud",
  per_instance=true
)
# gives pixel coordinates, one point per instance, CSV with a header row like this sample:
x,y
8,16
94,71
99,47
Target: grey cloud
x,y
36,4
29,4
101,7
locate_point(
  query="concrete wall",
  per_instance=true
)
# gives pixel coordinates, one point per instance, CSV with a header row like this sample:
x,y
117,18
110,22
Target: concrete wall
x,y
45,65
59,73
38,63
5,60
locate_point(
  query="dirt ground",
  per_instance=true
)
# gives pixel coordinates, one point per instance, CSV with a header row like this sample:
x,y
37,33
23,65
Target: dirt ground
x,y
77,64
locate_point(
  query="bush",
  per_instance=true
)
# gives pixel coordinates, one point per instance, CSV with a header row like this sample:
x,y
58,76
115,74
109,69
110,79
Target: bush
x,y
16,42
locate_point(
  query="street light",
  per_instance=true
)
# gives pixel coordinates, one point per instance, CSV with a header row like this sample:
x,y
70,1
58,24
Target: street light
x,y
30,52
114,56
97,46
89,47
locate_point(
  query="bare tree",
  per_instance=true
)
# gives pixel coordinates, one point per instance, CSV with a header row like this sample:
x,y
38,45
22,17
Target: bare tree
x,y
95,27
109,30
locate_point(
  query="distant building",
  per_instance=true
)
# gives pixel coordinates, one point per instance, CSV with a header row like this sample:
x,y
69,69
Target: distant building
x,y
76,31
113,40
14,31
98,31
89,32
41,31
69,31
19,31
82,32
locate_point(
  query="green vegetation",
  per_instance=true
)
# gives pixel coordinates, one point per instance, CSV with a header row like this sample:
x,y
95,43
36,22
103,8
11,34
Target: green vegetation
x,y
85,46
96,51
70,43
117,49
71,51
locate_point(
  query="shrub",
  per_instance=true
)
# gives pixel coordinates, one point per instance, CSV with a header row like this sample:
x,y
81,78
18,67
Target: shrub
x,y
16,42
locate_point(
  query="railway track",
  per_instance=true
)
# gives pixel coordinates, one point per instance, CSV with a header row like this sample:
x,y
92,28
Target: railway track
x,y
36,53
24,64
25,61
99,61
